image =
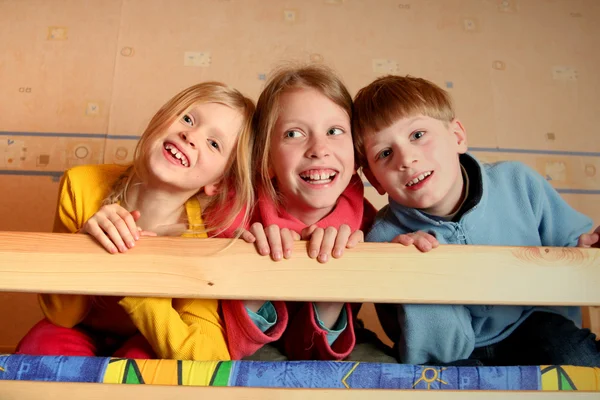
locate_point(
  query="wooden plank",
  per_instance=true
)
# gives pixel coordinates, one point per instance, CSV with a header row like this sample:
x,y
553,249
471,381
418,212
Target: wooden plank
x,y
23,390
376,272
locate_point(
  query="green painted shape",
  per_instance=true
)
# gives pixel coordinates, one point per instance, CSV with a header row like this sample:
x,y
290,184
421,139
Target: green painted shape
x,y
565,384
221,377
131,375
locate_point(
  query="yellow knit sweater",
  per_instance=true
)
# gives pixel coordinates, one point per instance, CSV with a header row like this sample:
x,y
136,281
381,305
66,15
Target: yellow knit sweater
x,y
185,329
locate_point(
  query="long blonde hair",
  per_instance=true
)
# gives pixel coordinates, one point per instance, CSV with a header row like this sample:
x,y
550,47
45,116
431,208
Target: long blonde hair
x,y
236,193
284,79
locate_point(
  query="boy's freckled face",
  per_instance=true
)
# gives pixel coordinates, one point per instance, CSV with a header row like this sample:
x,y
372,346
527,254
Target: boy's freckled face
x,y
415,160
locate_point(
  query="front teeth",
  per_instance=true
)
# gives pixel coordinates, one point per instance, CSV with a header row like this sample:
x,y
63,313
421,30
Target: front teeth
x,y
316,177
419,178
322,176
177,154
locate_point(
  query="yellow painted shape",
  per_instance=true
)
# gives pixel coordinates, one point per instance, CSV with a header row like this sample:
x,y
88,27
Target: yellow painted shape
x,y
114,372
549,379
583,378
434,378
197,373
348,375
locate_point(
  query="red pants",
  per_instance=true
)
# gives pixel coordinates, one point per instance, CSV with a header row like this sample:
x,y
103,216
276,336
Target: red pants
x,y
45,338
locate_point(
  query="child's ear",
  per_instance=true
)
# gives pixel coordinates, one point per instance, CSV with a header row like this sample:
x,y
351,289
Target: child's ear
x,y
212,188
371,178
461,135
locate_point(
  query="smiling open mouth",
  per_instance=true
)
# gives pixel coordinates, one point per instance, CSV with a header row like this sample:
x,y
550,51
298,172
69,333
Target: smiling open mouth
x,y
318,176
176,154
419,178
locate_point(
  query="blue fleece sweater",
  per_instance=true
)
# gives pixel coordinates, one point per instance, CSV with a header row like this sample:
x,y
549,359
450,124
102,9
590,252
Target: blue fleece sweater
x,y
513,206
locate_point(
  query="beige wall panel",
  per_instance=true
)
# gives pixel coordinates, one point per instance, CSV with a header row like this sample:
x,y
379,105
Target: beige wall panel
x,y
119,151
19,311
27,203
158,34
57,64
549,81
586,204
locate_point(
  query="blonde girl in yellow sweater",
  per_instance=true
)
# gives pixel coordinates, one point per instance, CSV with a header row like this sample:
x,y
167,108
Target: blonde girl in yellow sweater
x,y
195,151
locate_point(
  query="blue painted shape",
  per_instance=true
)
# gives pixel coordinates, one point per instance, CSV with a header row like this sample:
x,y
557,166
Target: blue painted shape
x,y
330,374
53,368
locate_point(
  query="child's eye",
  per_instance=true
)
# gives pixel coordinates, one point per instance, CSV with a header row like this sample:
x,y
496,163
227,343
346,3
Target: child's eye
x,y
293,134
417,135
384,154
334,131
187,120
214,144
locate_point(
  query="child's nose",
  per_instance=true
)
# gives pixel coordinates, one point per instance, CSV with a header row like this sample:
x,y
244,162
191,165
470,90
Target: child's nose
x,y
187,138
318,149
406,158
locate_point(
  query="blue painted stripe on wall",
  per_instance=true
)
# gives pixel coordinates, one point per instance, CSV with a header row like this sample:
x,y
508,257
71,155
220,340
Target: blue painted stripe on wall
x,y
136,137
51,134
133,137
533,151
578,191
31,173
123,137
367,184
78,135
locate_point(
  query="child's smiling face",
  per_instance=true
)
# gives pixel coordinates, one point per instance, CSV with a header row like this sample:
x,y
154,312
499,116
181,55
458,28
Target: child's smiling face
x,y
196,147
415,161
312,154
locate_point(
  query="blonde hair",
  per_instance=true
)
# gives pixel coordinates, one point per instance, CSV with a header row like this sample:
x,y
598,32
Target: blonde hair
x,y
390,98
235,191
282,80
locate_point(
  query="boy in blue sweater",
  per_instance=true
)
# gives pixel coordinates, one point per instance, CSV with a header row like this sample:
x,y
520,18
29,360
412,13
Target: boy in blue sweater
x,y
412,147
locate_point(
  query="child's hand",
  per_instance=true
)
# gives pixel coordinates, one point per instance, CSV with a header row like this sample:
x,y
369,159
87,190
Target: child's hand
x,y
272,240
115,228
422,240
323,241
590,239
